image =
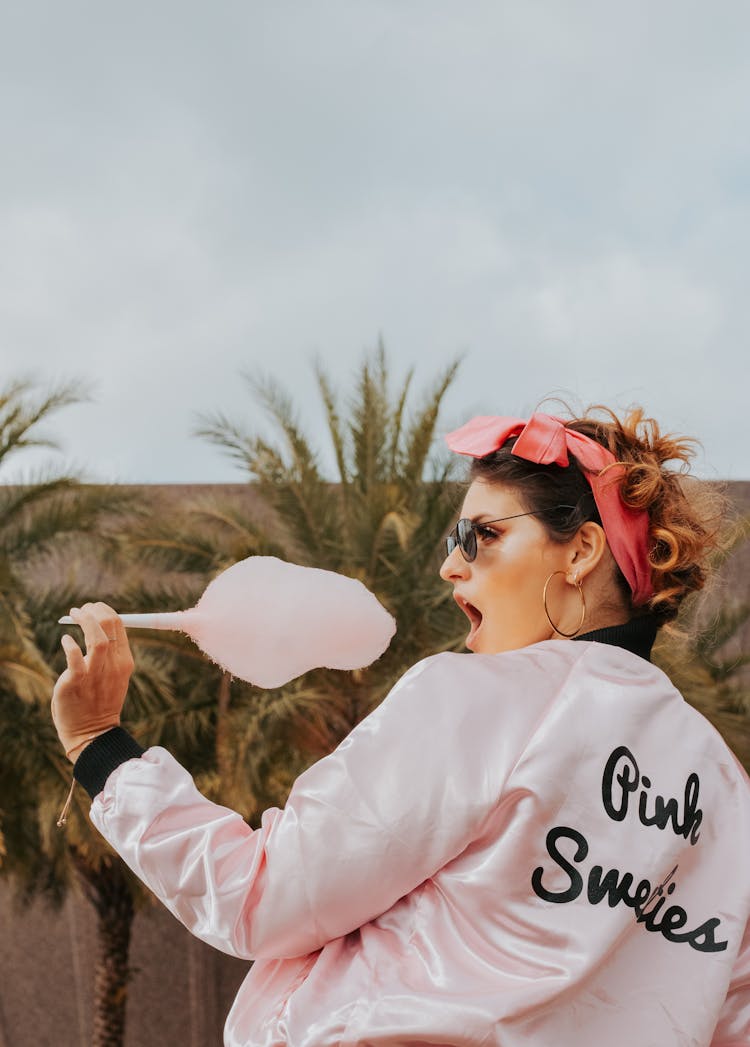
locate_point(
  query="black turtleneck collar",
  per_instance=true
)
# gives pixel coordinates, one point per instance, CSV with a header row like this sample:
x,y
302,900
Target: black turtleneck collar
x,y
637,635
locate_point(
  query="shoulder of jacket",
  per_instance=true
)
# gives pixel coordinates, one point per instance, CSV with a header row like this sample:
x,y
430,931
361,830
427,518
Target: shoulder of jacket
x,y
546,656
544,667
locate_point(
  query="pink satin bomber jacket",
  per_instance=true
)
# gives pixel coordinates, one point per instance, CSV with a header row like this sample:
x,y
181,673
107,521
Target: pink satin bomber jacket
x,y
543,848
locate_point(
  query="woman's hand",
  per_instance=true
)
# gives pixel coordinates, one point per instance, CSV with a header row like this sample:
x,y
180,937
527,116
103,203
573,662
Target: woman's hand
x,y
89,695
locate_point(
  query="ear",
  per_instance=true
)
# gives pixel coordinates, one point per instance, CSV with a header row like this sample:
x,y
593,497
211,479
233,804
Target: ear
x,y
587,549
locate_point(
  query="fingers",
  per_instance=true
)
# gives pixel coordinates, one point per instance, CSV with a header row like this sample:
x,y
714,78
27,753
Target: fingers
x,y
96,620
73,655
89,694
104,635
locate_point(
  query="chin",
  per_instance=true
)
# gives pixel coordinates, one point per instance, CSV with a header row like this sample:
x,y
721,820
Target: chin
x,y
480,645
476,641
486,645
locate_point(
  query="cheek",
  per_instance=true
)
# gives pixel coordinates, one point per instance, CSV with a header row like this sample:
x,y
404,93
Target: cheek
x,y
520,572
524,559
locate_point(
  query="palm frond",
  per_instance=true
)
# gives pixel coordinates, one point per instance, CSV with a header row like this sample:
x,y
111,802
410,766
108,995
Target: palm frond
x,y
334,423
397,427
219,430
705,659
25,674
21,411
240,536
171,546
422,430
279,406
56,511
370,425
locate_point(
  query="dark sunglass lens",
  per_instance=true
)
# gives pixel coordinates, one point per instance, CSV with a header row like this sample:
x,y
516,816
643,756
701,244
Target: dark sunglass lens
x,y
467,539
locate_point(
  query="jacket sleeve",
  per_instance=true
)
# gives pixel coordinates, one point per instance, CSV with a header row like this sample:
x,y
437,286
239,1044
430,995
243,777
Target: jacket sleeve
x,y
401,796
733,1028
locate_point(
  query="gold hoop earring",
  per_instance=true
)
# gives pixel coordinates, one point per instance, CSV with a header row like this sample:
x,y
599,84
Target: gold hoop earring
x,y
568,636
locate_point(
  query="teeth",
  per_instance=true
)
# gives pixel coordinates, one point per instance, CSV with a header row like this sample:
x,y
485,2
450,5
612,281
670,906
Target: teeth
x,y
469,609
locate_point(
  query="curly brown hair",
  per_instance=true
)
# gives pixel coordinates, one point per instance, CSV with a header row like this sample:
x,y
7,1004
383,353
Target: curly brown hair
x,y
685,514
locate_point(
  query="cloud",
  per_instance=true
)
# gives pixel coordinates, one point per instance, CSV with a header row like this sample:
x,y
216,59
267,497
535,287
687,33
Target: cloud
x,y
559,193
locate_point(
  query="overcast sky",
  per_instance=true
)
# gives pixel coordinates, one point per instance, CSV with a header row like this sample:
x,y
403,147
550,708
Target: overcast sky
x,y
557,191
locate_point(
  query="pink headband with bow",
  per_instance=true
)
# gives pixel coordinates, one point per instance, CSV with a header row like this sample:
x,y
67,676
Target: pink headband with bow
x,y
546,441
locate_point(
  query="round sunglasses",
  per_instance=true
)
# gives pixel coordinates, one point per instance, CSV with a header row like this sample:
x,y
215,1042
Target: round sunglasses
x,y
464,534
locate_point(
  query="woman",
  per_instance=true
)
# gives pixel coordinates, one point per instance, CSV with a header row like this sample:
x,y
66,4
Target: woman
x,y
538,844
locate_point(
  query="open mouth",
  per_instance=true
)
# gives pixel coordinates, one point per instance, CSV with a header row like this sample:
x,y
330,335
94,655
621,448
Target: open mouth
x,y
473,614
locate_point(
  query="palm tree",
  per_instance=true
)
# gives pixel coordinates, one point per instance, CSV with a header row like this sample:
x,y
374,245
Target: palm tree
x,y
49,524
41,517
704,658
380,519
382,523
65,543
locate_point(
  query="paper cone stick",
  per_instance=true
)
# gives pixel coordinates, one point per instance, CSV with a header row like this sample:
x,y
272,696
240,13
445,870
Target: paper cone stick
x,y
267,621
155,620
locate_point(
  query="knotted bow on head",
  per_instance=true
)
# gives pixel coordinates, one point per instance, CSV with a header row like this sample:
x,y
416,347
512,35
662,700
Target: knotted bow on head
x,y
545,440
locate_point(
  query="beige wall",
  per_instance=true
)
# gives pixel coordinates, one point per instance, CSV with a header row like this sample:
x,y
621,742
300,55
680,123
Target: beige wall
x,y
179,996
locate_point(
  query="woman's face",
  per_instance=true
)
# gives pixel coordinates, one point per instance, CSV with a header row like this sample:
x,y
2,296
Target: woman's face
x,y
501,590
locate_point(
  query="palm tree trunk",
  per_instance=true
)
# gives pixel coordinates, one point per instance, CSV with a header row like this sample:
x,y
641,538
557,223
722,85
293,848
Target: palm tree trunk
x,y
4,1039
110,894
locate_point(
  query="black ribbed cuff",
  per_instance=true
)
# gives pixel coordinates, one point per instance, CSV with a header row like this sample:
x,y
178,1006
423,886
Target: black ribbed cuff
x,y
102,756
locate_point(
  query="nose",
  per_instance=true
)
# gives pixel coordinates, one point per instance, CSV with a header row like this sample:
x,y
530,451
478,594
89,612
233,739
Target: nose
x,y
454,566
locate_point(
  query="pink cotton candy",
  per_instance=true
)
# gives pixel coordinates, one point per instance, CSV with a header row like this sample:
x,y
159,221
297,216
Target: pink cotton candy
x,y
267,621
